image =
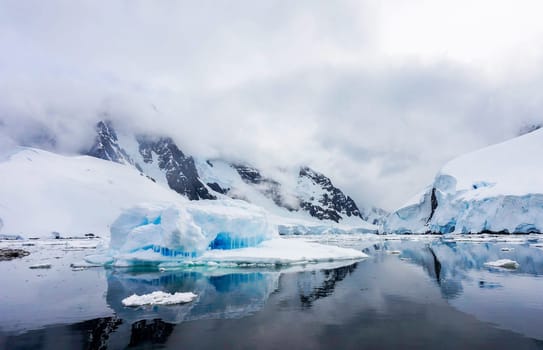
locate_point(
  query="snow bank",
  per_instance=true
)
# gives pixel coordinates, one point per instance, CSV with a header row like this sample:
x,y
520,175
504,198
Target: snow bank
x,y
504,263
43,192
159,298
496,189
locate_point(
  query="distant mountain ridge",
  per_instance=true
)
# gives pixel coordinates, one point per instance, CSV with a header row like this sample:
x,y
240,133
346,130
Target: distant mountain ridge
x,y
160,159
179,170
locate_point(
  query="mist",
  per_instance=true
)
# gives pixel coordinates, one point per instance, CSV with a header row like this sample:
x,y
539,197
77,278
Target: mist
x,y
376,95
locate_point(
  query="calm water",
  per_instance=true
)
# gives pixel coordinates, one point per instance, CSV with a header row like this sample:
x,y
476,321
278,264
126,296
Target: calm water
x,y
431,295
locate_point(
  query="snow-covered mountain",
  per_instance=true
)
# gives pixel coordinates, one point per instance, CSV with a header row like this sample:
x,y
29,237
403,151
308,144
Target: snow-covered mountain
x,y
43,192
305,195
495,189
157,157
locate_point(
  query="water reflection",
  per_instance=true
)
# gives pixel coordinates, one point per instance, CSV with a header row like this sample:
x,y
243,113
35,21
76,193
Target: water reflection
x,y
508,298
431,295
314,286
221,293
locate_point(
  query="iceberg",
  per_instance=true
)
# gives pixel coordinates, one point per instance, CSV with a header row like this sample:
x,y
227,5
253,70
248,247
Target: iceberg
x,y
497,189
159,298
227,232
162,232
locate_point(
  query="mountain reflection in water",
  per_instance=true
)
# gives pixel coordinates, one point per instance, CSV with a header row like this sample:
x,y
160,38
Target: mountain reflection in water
x,y
432,294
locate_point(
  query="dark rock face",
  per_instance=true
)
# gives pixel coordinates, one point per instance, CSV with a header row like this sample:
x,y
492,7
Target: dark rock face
x,y
434,205
182,176
106,145
7,254
333,202
250,175
528,128
217,188
269,187
180,170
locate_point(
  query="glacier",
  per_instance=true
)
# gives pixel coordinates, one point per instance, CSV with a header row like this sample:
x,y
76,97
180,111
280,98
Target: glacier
x,y
497,189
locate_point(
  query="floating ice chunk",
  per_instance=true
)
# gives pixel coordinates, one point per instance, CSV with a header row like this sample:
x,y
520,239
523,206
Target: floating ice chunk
x,y
159,298
281,252
507,249
504,263
221,232
165,231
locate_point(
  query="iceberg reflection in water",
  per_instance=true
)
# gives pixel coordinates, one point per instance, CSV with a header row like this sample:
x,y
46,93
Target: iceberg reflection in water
x,y
510,298
434,289
220,294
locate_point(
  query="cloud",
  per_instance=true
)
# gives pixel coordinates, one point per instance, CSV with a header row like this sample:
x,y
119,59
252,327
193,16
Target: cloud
x,y
339,86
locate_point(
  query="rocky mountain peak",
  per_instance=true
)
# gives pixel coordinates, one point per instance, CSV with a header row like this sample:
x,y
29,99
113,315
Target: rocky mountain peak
x,y
158,153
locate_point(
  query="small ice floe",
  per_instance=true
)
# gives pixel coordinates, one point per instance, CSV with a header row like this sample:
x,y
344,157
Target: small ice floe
x,y
507,249
40,266
503,263
83,265
159,298
394,252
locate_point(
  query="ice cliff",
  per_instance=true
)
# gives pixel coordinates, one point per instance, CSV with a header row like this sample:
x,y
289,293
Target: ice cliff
x,y
496,189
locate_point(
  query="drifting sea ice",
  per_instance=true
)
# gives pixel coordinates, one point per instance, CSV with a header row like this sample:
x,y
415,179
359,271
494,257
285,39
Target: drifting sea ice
x,y
164,231
159,298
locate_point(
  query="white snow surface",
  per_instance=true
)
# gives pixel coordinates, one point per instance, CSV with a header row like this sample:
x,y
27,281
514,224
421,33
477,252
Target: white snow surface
x,y
496,189
283,251
288,222
78,195
159,298
503,263
43,192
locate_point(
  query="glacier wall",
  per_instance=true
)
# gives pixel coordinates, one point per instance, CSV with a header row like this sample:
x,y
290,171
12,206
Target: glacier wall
x,y
159,232
495,189
444,209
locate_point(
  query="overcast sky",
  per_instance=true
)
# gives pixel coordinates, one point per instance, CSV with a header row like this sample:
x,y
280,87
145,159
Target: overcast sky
x,y
376,94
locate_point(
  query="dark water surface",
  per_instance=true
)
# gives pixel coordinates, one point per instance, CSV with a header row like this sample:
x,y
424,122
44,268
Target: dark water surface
x,y
431,295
